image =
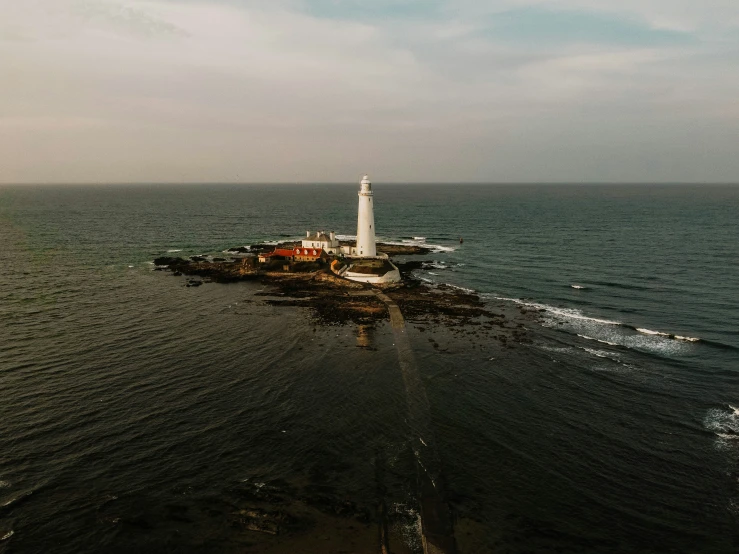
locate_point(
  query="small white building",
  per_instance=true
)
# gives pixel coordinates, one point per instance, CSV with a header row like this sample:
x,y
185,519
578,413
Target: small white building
x,y
327,242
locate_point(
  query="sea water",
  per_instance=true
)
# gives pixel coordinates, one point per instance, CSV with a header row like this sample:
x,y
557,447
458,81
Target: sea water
x,y
134,410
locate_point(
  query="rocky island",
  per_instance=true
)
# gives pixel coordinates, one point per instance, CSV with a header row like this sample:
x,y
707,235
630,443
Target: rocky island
x,y
333,299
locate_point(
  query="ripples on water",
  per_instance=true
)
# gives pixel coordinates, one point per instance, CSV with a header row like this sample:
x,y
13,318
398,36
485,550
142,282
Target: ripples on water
x,y
131,403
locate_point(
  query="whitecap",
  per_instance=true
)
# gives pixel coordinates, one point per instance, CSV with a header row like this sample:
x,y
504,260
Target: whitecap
x,y
578,287
650,332
611,332
7,535
419,238
432,273
4,484
599,340
435,248
724,423
599,353
174,250
471,291
668,335
438,248
567,313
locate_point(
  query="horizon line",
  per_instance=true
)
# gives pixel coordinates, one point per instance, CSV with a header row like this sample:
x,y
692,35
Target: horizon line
x,y
309,183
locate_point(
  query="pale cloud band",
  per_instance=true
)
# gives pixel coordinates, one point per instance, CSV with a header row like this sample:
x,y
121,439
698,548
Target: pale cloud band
x,y
513,90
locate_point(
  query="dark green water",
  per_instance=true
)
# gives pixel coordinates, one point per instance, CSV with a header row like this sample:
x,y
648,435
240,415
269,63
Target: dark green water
x,y
123,393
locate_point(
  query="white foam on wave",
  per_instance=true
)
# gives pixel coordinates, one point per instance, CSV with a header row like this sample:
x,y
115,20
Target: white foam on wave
x,y
611,363
4,484
650,332
174,250
607,354
599,340
415,241
438,248
607,331
566,313
7,535
432,273
599,353
471,291
668,335
724,424
578,287
418,241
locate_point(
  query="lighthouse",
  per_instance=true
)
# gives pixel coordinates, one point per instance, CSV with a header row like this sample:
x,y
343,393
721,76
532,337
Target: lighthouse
x,y
365,221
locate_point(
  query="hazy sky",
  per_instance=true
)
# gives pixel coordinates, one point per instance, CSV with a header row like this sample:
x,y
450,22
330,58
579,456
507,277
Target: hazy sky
x,y
323,90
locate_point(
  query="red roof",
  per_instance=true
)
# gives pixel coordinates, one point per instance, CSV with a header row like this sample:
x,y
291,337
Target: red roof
x,y
312,252
282,252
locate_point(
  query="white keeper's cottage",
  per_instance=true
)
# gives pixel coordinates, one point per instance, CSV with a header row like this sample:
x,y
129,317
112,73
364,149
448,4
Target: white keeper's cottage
x,y
327,242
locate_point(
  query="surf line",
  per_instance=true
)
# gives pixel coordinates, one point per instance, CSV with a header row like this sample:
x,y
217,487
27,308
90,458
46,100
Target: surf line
x,y
437,532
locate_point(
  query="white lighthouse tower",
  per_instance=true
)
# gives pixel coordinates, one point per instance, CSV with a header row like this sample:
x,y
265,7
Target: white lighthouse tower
x,y
366,246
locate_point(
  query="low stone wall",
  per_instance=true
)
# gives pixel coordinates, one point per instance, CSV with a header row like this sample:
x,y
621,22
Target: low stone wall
x,y
392,276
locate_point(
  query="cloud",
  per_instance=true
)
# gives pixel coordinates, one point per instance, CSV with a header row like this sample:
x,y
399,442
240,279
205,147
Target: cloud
x,y
148,90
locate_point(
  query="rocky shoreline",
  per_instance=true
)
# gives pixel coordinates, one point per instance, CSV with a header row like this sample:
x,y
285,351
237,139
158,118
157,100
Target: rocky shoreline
x,y
333,300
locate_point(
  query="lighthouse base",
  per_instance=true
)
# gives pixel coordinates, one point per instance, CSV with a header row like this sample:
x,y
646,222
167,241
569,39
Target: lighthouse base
x,y
376,271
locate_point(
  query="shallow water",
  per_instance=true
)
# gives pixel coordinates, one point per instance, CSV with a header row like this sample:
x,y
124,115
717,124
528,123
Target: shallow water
x,y
131,403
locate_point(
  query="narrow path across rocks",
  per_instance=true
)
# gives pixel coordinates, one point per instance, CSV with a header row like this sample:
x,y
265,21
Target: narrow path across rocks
x,y
436,518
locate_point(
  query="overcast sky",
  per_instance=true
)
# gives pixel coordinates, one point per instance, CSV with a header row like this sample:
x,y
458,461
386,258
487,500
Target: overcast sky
x,y
324,90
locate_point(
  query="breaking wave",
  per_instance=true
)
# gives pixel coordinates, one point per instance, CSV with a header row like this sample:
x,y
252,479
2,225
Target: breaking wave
x,y
578,287
724,424
435,265
599,340
668,335
606,331
418,241
174,250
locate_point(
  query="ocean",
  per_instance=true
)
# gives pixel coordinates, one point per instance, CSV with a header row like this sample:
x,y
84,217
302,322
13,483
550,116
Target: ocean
x,y
141,415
